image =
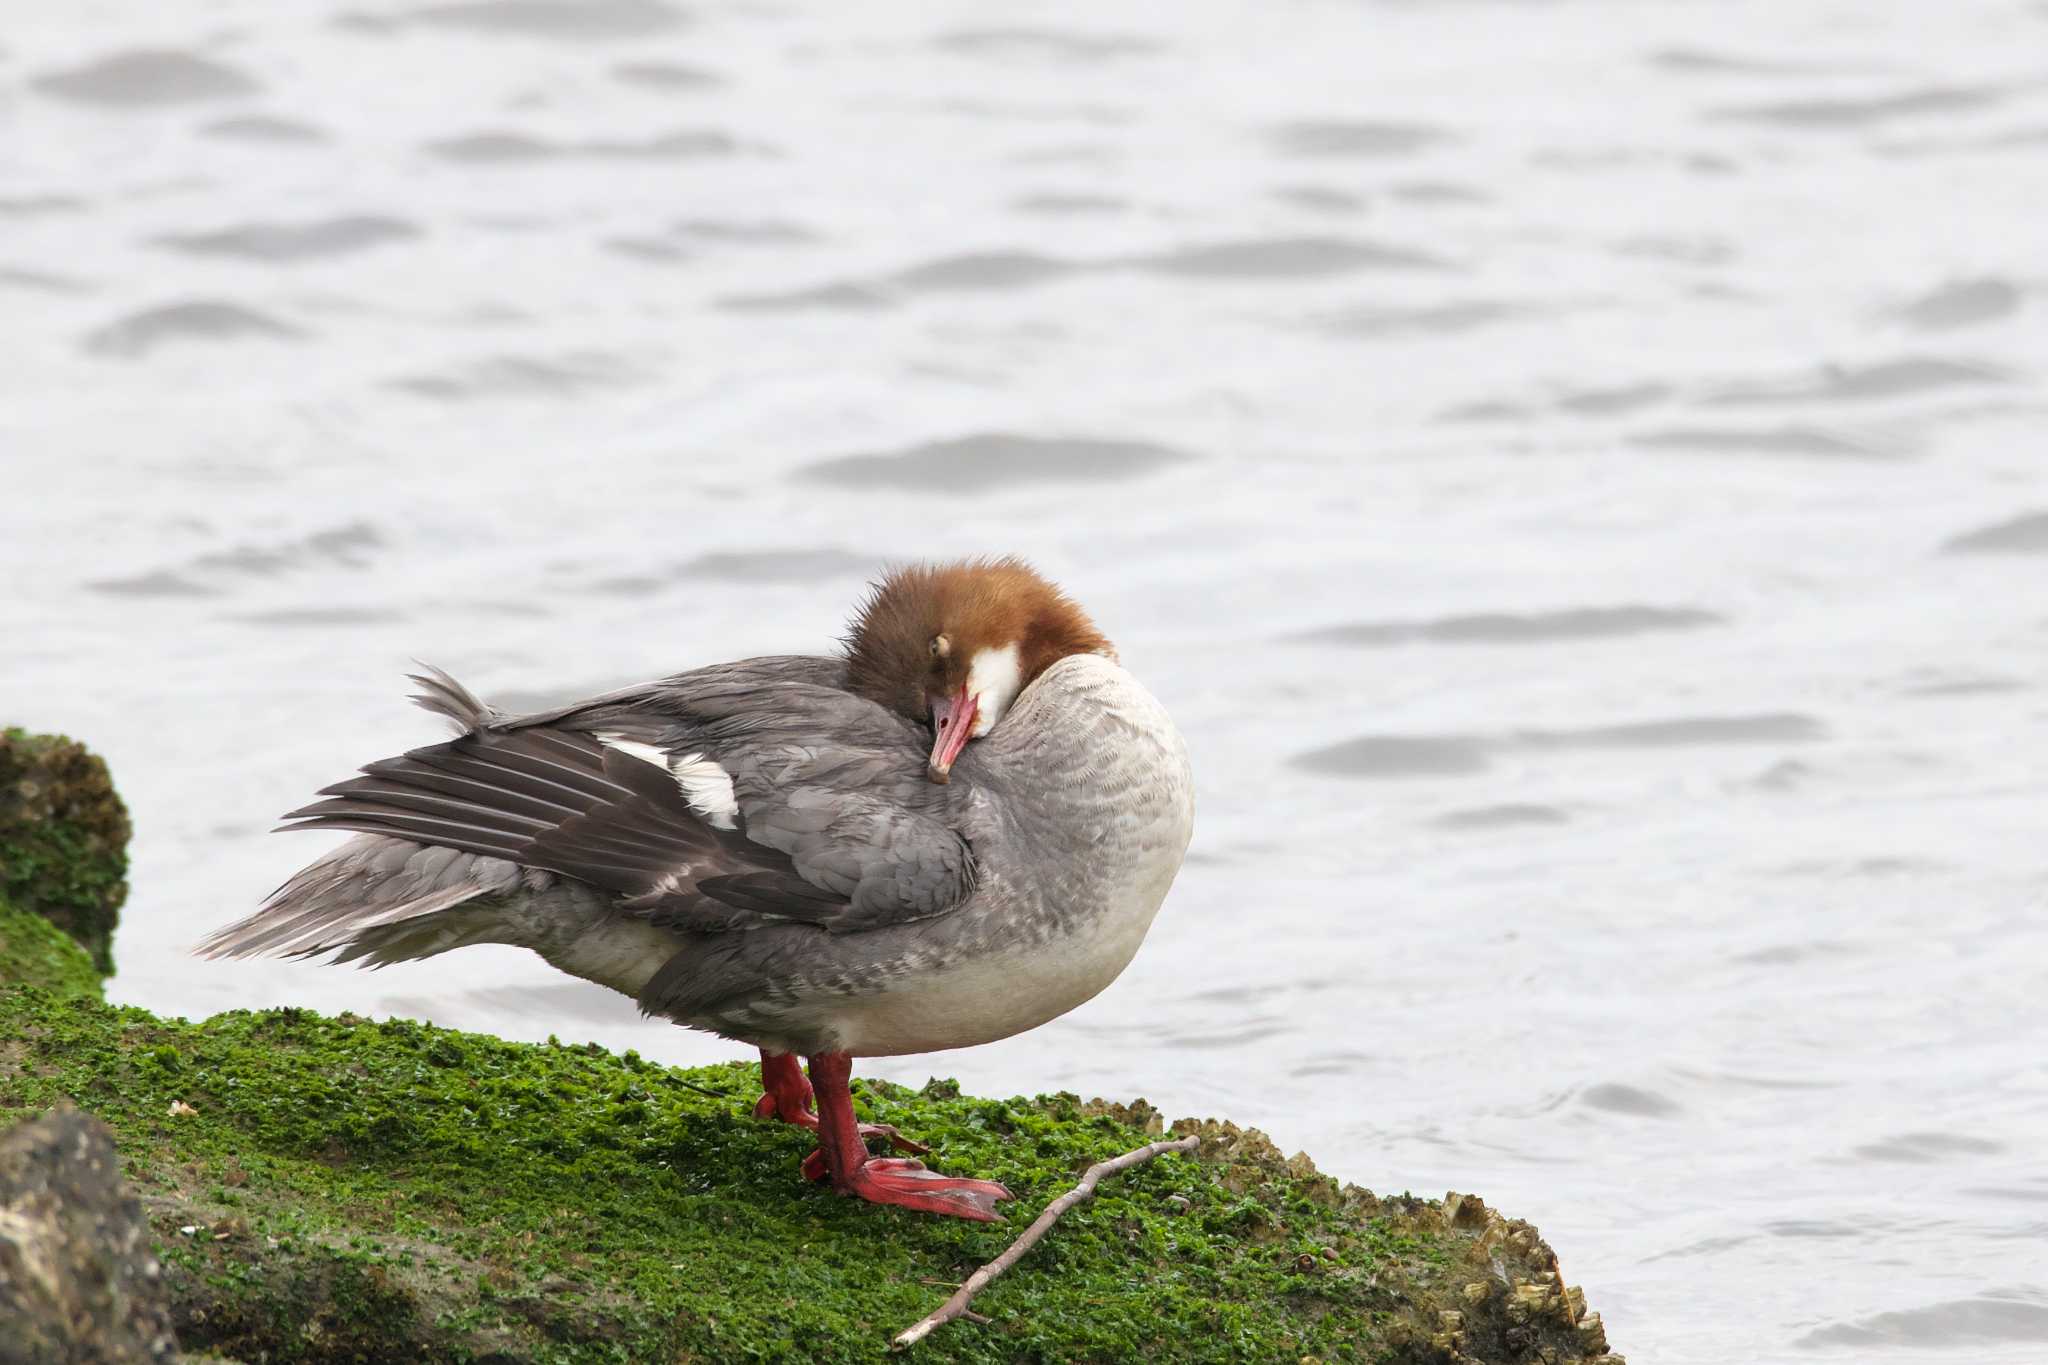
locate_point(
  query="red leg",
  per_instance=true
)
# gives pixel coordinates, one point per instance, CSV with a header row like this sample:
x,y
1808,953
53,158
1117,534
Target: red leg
x,y
787,1096
843,1158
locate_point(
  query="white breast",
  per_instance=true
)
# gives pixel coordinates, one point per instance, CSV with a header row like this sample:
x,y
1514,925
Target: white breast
x,y
981,999
1115,789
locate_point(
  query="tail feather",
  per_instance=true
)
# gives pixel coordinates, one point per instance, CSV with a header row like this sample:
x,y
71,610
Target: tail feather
x,y
426,935
368,884
445,697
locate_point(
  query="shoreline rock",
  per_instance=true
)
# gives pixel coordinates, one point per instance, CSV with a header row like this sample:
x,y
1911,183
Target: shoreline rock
x,y
338,1189
63,838
77,1278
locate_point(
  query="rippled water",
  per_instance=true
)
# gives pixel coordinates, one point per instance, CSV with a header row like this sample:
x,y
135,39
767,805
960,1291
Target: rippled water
x,y
1575,471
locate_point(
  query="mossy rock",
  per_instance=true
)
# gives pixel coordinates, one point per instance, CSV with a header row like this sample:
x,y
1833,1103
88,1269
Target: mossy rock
x,y
333,1189
337,1190
63,839
37,952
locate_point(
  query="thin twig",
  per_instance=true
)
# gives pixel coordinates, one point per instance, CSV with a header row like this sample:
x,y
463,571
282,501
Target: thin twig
x,y
956,1307
701,1089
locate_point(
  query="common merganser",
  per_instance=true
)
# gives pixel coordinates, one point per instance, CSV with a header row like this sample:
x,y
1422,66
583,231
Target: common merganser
x,y
956,830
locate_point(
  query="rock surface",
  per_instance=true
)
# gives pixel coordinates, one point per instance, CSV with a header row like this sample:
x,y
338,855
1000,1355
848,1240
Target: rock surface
x,y
341,1190
78,1281
63,838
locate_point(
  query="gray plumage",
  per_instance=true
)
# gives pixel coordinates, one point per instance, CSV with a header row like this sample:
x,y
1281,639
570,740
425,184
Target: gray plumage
x,y
835,899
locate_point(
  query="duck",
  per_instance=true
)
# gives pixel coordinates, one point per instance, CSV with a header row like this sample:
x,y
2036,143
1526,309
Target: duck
x,y
957,827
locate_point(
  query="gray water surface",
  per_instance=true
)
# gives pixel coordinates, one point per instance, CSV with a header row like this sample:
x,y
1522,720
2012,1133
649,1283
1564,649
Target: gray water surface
x,y
1575,471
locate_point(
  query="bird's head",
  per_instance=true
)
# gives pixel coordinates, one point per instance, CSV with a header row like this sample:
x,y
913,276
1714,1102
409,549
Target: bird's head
x,y
952,645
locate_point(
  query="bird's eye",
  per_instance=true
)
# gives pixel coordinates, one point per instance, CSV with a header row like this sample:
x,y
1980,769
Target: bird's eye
x,y
941,646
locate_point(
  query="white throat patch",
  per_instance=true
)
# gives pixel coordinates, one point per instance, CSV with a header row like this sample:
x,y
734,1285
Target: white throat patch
x,y
993,679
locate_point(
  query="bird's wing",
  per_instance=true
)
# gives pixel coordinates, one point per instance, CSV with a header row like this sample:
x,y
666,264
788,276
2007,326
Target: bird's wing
x,y
723,799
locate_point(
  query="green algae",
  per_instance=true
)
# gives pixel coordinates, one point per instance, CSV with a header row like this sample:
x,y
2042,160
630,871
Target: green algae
x,y
34,950
63,838
332,1189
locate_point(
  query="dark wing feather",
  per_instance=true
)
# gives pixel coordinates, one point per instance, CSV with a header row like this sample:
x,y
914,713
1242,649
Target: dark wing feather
x,y
560,801
831,779
769,893
836,824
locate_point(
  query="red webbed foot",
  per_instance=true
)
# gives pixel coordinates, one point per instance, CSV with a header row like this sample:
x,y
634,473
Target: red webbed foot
x,y
907,1184
843,1159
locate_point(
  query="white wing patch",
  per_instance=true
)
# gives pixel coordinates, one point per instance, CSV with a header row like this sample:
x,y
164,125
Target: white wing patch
x,y
645,752
708,789
705,785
